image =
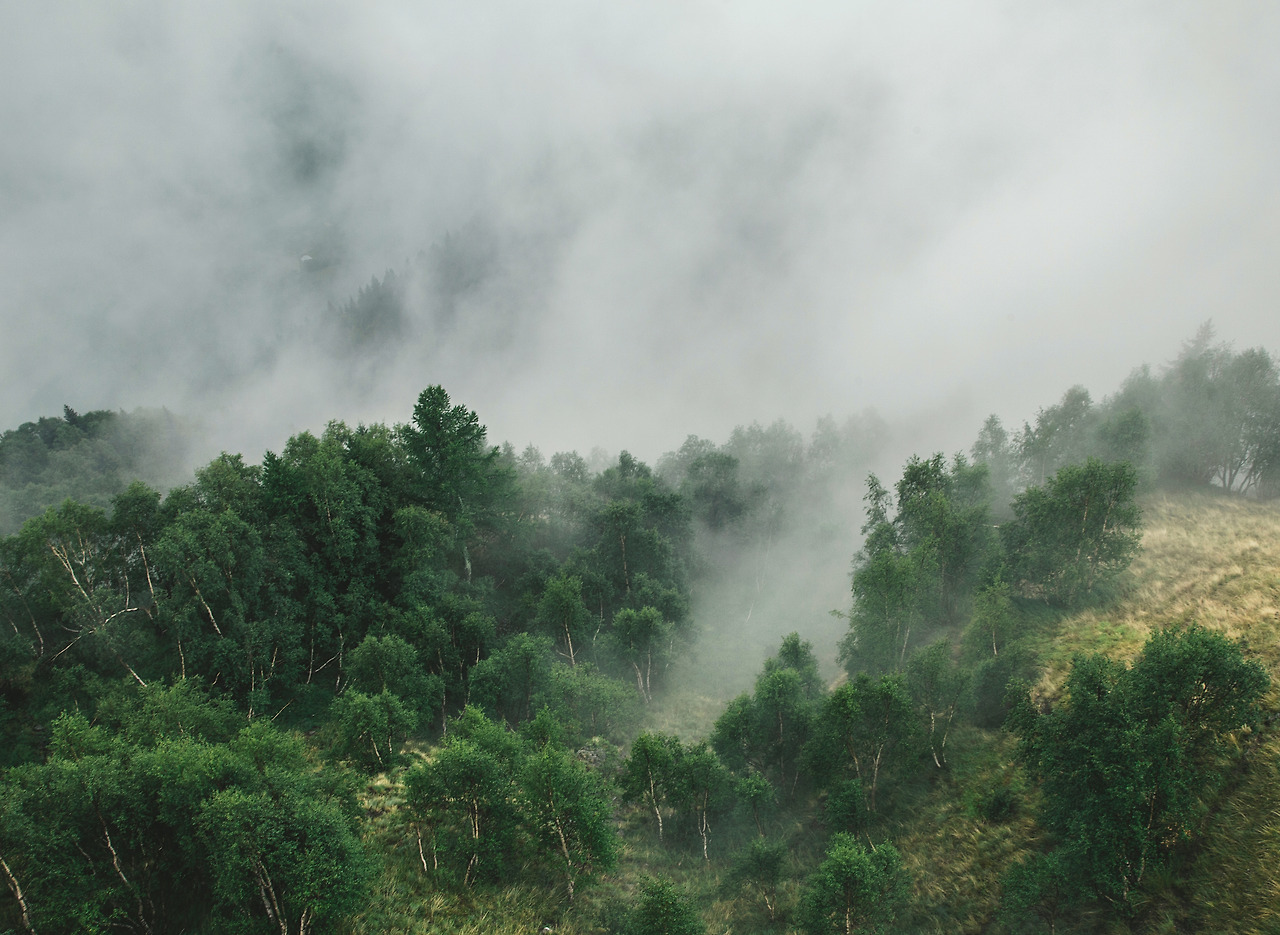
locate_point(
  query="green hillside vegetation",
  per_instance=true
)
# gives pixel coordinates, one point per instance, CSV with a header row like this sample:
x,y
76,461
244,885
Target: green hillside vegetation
x,y
398,679
88,457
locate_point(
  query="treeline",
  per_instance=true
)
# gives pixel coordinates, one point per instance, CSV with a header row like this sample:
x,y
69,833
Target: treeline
x,y
365,586
195,686
89,457
1211,417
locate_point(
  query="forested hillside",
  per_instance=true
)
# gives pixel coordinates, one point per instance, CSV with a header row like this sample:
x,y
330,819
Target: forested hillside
x,y
400,678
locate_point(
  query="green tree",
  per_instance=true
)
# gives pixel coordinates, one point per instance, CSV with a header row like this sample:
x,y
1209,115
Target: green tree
x,y
371,729
860,724
1063,434
705,787
1041,886
756,795
506,682
465,797
568,809
854,889
917,567
937,684
562,613
664,909
757,868
650,773
1076,533
455,473
994,622
1125,759
643,636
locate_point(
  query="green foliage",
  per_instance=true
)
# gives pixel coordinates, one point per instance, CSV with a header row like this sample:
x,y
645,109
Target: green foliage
x,y
662,909
990,681
463,798
569,814
756,795
178,831
757,869
1074,535
1063,434
650,775
643,637
371,729
937,685
995,622
90,457
507,682
846,806
916,569
563,615
589,704
705,788
1041,886
1125,760
854,889
767,730
861,724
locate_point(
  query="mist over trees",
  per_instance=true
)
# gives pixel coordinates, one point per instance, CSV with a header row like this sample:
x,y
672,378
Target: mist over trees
x,y
1209,417
403,651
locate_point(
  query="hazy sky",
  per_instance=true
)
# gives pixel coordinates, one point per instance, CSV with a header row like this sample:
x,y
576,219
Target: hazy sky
x,y
681,216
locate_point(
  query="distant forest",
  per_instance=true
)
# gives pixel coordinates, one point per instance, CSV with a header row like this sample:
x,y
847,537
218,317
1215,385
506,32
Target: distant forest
x,y
391,664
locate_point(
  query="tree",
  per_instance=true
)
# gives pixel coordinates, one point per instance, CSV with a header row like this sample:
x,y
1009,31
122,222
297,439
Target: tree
x,y
650,772
937,685
996,452
390,664
464,797
1076,533
456,474
1125,758
562,613
371,728
705,787
568,809
755,794
994,622
854,888
168,823
1040,885
643,635
758,869
506,682
1062,435
860,724
767,731
663,909
916,568
714,491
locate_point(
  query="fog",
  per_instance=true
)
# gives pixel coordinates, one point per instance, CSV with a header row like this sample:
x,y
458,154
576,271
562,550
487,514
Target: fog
x,y
617,225
678,217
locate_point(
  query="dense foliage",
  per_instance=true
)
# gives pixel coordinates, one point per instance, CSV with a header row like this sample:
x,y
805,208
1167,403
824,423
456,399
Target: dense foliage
x,y
203,690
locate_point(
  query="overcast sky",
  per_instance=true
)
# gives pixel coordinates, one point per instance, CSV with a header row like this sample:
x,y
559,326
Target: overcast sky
x,y
681,216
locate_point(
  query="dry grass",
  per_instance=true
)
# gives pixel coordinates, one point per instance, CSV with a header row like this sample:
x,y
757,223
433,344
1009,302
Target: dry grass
x,y
1212,560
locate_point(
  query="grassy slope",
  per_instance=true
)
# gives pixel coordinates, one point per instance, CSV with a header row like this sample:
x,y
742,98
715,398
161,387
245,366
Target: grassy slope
x,y
1207,559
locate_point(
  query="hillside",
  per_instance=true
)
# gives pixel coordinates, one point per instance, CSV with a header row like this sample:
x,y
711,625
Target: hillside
x,y
1205,558
1208,559
426,684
